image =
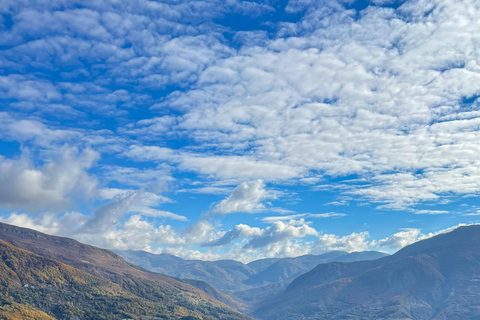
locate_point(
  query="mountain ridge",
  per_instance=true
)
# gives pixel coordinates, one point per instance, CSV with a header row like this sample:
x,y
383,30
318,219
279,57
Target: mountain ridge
x,y
243,286
102,264
436,278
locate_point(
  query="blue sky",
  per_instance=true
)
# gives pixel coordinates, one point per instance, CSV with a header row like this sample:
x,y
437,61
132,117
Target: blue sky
x,y
240,129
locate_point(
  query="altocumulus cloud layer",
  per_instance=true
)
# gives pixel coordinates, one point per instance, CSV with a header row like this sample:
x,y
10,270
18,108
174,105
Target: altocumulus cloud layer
x,y
201,127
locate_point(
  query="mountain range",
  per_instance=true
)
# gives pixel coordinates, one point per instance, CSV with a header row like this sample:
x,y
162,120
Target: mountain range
x,y
247,285
437,278
44,277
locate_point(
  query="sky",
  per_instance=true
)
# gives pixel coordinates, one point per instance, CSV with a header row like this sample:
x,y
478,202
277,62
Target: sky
x,y
239,129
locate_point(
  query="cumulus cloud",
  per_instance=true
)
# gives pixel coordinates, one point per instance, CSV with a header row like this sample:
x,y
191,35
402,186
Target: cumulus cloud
x,y
278,232
349,243
239,231
246,197
121,223
138,234
281,232
52,223
360,241
398,240
53,185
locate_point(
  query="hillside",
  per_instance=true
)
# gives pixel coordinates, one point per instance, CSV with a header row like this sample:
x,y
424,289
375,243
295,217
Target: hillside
x,y
68,269
290,268
64,292
245,286
262,264
233,276
224,275
10,310
438,278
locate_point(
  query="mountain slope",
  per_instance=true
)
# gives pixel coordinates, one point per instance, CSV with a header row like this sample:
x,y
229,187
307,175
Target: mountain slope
x,y
247,286
233,276
161,291
262,264
10,310
224,275
438,278
225,298
66,292
290,268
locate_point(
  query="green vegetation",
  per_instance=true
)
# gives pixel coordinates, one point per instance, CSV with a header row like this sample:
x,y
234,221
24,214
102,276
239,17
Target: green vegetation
x,y
31,283
10,310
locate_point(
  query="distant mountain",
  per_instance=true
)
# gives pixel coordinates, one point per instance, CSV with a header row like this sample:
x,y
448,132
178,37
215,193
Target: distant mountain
x,y
262,264
437,278
232,276
69,280
258,296
225,298
290,268
224,275
245,287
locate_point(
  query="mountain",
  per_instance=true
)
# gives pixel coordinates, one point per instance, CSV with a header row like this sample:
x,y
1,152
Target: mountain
x,y
225,298
262,264
245,287
290,268
233,276
68,279
258,296
437,278
224,275
48,285
10,310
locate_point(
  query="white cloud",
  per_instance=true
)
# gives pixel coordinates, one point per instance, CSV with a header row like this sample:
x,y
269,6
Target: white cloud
x,y
199,232
238,167
51,223
380,95
431,212
371,101
280,232
326,215
338,203
359,241
208,190
349,243
398,240
239,231
53,185
156,180
15,86
472,214
106,228
271,219
247,197
139,234
24,130
329,95
108,216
